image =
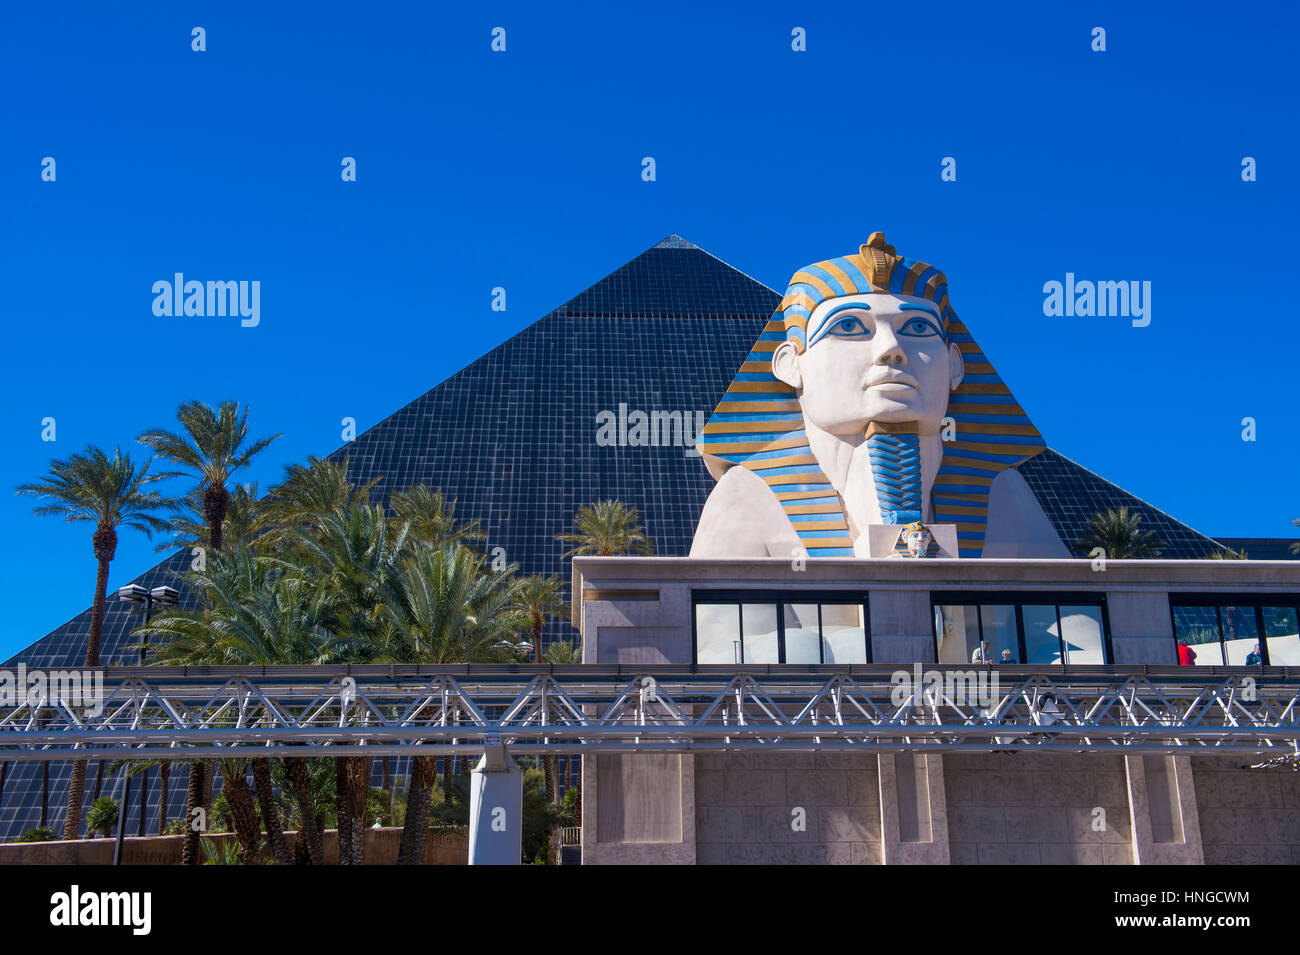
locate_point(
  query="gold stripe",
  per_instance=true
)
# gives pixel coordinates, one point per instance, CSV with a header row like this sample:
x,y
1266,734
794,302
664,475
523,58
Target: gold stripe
x,y
807,278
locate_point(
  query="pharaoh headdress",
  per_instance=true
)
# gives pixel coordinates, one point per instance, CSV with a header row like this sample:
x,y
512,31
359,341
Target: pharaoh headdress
x,y
759,425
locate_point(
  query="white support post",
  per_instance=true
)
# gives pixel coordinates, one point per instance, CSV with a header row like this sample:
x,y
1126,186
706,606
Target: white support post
x,y
496,809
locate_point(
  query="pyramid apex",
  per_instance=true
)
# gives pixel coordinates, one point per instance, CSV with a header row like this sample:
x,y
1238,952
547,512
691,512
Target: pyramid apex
x,y
675,241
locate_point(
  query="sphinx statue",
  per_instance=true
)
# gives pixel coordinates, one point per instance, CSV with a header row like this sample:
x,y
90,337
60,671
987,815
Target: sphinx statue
x,y
867,422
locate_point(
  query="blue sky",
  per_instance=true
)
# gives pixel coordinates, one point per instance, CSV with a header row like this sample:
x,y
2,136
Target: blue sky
x,y
522,169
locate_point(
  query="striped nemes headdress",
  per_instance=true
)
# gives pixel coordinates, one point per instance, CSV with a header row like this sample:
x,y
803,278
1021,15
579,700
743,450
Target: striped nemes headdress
x,y
759,424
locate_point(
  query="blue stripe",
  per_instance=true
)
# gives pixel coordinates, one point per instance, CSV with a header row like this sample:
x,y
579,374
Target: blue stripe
x,y
787,469
836,285
778,488
854,273
831,535
762,455
772,416
830,551
732,437
997,438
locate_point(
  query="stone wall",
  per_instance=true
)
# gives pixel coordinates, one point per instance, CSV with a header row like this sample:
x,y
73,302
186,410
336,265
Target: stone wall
x,y
745,809
443,848
1037,808
1247,816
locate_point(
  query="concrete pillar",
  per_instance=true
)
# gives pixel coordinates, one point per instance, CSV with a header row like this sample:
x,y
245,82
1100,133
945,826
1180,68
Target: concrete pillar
x,y
913,809
1162,808
496,809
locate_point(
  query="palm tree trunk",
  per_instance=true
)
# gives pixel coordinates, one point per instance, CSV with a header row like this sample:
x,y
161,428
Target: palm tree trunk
x,y
309,832
196,797
343,800
415,828
243,814
76,789
104,543
164,776
216,501
446,781
270,816
144,799
359,777
99,780
388,787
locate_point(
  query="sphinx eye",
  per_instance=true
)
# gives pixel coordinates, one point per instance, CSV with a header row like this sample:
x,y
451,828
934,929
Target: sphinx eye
x,y
918,328
848,327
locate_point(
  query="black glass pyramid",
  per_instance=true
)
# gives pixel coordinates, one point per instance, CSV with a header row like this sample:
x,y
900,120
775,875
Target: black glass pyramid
x,y
514,438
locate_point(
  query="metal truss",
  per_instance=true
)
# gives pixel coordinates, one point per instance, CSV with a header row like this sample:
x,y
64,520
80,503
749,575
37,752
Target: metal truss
x,y
187,713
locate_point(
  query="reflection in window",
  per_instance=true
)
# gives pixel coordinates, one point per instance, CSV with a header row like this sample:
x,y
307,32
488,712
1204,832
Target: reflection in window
x,y
804,632
1282,636
759,645
717,633
1034,633
1244,631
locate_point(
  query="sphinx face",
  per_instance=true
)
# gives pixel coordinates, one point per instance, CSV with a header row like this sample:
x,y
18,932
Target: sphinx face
x,y
876,357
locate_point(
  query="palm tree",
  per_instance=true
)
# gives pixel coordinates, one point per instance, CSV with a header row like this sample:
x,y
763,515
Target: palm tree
x,y
1227,553
307,493
540,598
443,605
607,528
432,516
1295,548
102,815
248,616
244,523
212,446
112,492
1119,536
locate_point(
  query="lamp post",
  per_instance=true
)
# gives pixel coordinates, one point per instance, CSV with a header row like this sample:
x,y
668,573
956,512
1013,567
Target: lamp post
x,y
162,597
136,594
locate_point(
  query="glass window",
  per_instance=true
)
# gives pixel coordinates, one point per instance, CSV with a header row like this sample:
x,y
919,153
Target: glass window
x,y
958,629
1082,632
1240,634
759,640
999,633
802,634
1042,636
844,634
717,633
1282,636
1197,628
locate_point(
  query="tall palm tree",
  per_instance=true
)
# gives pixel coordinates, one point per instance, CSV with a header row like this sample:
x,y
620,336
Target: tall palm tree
x,y
540,598
607,528
212,445
432,516
1119,535
112,492
443,605
244,523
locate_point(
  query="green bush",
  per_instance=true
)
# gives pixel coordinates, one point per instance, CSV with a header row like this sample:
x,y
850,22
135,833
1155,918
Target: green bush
x,y
37,834
102,815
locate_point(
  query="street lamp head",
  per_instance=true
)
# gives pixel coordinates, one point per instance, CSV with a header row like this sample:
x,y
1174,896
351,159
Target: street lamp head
x,y
132,593
166,596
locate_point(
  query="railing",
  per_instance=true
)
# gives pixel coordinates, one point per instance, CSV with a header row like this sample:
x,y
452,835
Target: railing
x,y
184,713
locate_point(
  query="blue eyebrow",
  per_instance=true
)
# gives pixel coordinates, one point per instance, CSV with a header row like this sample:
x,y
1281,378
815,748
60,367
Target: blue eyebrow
x,y
840,308
906,307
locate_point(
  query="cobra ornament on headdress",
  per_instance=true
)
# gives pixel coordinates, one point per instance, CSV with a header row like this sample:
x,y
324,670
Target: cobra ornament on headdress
x,y
759,425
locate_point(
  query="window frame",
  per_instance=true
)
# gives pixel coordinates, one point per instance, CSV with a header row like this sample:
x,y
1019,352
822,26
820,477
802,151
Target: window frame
x,y
739,598
1018,599
1218,601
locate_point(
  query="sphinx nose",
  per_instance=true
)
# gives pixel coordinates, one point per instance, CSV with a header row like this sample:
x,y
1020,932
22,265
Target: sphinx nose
x,y
890,351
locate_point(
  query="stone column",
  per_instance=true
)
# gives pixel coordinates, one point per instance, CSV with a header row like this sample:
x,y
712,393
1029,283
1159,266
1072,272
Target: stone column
x,y
1162,808
913,809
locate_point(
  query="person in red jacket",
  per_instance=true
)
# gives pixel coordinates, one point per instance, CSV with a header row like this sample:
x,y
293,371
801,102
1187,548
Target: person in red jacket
x,y
1186,655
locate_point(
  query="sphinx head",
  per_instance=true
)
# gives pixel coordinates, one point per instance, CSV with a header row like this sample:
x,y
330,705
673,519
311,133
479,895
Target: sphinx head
x,y
867,340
